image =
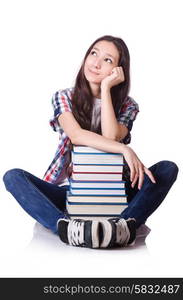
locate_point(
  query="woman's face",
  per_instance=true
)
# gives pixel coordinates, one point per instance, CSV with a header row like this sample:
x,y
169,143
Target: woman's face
x,y
102,58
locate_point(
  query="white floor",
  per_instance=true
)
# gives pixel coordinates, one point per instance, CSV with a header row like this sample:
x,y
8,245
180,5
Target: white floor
x,y
30,250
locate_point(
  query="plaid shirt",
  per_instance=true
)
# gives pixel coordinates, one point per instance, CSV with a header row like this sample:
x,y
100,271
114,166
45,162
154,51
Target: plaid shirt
x,y
61,168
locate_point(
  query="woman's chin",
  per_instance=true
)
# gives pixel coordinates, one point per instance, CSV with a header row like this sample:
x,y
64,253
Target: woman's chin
x,y
93,81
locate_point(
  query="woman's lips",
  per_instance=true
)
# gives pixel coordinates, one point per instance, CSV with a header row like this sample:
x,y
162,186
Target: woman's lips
x,y
93,72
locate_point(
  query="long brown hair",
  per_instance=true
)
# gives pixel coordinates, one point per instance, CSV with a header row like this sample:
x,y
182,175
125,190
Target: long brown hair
x,y
82,99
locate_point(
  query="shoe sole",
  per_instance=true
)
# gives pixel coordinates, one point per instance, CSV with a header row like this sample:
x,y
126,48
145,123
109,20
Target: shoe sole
x,y
107,234
95,234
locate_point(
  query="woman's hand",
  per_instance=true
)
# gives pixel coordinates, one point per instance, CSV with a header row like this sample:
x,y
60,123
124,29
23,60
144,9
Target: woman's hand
x,y
137,169
116,77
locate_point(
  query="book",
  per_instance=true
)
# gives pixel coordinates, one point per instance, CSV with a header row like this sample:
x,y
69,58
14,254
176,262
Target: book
x,y
95,168
96,199
94,158
86,149
96,183
110,176
95,209
93,217
97,191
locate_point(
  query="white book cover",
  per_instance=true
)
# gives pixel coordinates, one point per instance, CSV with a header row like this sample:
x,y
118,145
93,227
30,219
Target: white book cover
x,y
85,149
96,199
96,176
95,209
96,184
97,158
94,217
97,168
97,191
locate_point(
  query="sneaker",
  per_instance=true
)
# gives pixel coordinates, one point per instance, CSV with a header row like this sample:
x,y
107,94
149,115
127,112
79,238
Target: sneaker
x,y
76,232
118,232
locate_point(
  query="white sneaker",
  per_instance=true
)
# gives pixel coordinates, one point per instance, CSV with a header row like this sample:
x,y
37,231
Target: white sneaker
x,y
118,232
76,232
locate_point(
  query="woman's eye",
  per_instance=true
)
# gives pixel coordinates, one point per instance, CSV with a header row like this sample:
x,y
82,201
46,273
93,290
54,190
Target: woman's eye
x,y
93,53
108,60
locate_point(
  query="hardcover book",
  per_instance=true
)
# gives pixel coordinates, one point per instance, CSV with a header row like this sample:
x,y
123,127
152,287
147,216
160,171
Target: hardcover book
x,y
96,184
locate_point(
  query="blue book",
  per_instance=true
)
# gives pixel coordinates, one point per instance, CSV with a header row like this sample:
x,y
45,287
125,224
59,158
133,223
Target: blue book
x,y
86,149
96,183
97,191
96,198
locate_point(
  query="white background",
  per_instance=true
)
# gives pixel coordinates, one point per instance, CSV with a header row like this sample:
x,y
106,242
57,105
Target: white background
x,y
42,46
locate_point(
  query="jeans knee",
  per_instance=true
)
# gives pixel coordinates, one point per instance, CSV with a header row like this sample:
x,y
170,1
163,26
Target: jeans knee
x,y
11,176
170,166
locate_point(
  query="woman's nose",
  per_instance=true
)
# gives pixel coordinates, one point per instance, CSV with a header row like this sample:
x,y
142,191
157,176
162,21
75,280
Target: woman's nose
x,y
97,63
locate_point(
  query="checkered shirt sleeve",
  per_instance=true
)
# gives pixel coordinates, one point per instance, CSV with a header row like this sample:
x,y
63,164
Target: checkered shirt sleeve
x,y
127,115
61,104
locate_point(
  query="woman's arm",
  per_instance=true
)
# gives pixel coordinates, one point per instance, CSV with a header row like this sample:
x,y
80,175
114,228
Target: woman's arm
x,y
109,125
79,136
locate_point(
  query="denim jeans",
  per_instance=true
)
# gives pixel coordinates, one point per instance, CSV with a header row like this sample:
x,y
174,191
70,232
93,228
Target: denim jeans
x,y
143,202
46,202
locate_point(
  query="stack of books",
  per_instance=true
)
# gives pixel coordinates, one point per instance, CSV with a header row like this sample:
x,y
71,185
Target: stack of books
x,y
96,186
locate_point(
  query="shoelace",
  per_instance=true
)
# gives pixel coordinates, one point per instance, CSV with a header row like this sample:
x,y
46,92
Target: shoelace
x,y
122,232
76,232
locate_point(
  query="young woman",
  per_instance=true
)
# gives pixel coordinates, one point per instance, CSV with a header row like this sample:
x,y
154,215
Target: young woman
x,y
97,113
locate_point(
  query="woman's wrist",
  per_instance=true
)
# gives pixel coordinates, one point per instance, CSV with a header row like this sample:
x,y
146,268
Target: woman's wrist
x,y
123,148
105,93
105,88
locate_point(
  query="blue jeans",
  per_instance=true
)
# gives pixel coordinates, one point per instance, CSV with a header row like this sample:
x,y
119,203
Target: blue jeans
x,y
46,202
